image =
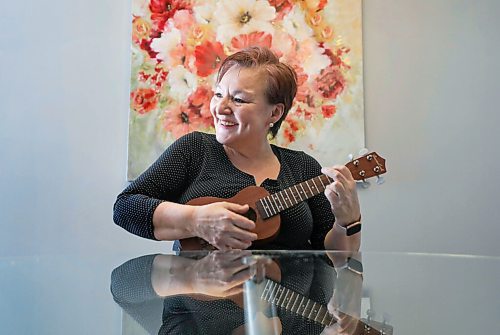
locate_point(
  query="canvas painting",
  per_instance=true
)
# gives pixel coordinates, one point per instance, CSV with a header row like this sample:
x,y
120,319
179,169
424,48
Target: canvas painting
x,y
177,47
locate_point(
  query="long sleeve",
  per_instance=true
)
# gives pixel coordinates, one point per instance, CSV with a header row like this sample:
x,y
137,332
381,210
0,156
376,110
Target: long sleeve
x,y
165,180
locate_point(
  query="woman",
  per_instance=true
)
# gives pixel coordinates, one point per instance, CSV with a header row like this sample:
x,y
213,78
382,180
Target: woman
x,y
253,95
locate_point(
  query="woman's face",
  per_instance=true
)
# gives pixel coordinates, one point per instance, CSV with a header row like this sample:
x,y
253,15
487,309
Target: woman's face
x,y
240,109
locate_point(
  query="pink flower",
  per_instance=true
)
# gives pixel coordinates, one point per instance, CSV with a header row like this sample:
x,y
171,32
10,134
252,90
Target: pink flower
x,y
259,38
162,10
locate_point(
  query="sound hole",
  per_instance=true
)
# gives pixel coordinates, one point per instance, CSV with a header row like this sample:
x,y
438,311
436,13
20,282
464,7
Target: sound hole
x,y
251,215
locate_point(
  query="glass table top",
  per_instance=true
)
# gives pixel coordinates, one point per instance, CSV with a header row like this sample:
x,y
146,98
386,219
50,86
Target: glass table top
x,y
253,292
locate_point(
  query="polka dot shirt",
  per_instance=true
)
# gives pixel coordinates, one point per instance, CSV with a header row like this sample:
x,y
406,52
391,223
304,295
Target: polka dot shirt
x,y
196,165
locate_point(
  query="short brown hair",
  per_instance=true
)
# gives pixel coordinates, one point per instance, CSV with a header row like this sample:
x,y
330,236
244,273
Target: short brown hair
x,y
281,77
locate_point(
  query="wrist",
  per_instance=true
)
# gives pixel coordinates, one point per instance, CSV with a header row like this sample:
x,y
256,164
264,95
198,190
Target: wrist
x,y
350,228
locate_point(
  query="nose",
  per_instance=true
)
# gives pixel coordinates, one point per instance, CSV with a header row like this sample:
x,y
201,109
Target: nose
x,y
223,107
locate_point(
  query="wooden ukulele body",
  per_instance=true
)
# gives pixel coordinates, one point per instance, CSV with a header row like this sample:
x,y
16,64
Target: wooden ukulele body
x,y
266,229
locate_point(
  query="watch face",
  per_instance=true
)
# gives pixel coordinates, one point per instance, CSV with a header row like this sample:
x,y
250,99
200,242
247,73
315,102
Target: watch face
x,y
353,228
355,265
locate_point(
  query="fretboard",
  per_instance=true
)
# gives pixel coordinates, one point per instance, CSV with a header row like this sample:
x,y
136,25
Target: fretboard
x,y
296,303
279,201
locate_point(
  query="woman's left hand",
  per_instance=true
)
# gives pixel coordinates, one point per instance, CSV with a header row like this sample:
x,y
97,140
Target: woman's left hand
x,y
342,195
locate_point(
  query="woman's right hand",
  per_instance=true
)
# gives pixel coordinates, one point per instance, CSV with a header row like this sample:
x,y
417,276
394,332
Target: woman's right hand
x,y
223,225
220,274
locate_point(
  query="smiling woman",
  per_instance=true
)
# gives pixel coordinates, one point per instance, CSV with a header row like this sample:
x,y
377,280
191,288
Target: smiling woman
x,y
253,94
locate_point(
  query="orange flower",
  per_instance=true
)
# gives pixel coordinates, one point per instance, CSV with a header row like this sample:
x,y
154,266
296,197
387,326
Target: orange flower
x,y
208,57
259,38
143,100
180,121
328,111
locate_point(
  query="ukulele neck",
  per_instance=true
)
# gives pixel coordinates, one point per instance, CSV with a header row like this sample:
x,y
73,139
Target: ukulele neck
x,y
277,202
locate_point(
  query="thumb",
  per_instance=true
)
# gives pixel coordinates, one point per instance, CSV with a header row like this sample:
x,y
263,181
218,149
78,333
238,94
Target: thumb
x,y
237,208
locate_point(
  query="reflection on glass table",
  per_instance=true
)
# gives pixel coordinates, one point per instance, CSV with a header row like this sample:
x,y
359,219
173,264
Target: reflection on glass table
x,y
243,292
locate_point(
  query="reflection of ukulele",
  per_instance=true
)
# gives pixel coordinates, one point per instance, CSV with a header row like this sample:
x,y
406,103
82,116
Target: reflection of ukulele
x,y
265,207
296,303
293,302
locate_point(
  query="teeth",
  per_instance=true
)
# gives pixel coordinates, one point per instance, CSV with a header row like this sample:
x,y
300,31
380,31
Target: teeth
x,y
227,123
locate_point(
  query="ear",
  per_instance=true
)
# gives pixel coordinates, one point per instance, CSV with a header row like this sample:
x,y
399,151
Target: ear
x,y
277,112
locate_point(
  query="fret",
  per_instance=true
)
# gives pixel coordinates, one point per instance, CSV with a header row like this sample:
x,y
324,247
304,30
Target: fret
x,y
295,302
300,306
281,193
280,205
273,291
309,189
270,205
285,297
298,193
278,295
303,190
289,301
330,179
317,189
313,310
325,316
282,296
265,207
266,291
295,195
320,315
288,197
321,181
306,309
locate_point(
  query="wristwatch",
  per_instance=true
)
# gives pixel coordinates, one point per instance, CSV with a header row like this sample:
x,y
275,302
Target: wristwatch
x,y
353,228
352,265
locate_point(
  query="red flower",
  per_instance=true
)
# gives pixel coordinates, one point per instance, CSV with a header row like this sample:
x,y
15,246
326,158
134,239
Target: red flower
x,y
143,100
254,39
208,57
328,111
162,10
283,7
330,83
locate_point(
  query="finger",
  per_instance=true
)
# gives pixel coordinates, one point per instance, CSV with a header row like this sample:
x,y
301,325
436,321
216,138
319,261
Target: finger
x,y
234,242
338,173
234,290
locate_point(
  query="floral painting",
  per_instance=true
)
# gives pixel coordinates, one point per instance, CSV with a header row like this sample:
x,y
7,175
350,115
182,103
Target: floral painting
x,y
178,45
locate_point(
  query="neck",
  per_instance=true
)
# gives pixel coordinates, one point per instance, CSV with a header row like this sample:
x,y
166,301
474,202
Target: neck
x,y
253,152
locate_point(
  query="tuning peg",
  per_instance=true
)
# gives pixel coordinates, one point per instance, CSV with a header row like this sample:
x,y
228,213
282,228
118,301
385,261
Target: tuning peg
x,y
364,183
363,151
350,157
380,180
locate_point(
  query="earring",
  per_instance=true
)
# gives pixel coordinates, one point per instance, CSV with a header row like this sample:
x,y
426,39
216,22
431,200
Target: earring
x,y
271,125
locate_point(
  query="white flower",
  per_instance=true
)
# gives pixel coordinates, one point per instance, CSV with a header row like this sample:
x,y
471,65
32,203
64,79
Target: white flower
x,y
295,24
242,17
313,58
182,83
204,13
168,41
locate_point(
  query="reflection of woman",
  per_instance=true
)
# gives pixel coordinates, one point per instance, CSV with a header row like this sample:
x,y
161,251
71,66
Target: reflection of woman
x,y
253,94
139,286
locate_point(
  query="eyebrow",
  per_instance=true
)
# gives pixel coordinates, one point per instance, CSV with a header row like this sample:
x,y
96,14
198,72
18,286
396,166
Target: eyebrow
x,y
238,91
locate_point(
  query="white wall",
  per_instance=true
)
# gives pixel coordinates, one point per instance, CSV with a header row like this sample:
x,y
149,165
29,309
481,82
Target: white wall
x,y
430,80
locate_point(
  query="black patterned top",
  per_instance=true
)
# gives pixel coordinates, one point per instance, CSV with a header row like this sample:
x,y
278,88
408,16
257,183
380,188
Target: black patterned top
x,y
196,165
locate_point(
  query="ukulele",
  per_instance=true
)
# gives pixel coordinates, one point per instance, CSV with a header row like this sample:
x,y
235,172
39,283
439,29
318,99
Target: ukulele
x,y
293,302
264,207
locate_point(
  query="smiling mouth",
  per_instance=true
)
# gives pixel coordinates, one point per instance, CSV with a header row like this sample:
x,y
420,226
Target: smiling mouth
x,y
226,123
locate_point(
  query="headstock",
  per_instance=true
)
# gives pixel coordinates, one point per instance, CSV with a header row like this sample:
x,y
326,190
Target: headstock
x,y
367,166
